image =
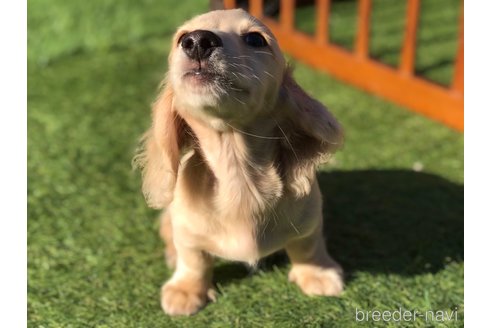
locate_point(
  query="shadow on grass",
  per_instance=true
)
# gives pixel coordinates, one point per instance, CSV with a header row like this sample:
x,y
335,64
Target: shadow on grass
x,y
383,221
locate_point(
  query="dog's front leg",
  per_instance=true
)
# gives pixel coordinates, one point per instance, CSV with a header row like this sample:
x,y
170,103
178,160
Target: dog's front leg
x,y
190,287
313,270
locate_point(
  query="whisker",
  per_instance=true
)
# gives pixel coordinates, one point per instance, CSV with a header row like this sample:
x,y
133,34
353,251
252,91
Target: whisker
x,y
293,226
259,80
236,74
275,217
238,57
242,102
244,75
287,139
253,135
263,53
245,66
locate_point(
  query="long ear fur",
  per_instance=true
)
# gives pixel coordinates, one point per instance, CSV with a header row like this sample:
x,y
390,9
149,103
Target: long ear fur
x,y
159,154
311,134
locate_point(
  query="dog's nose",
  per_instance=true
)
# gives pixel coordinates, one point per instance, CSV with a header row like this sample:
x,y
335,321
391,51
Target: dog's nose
x,y
200,44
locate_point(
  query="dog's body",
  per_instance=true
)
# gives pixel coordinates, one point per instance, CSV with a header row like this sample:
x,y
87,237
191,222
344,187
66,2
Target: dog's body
x,y
232,154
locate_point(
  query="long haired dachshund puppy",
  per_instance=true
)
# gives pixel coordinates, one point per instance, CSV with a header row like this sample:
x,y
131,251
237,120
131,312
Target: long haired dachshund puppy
x,y
232,155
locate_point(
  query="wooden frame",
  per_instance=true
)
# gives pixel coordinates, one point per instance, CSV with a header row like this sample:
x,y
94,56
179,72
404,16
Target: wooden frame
x,y
399,85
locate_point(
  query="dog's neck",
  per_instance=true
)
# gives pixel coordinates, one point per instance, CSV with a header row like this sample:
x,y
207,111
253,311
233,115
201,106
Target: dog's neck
x,y
243,162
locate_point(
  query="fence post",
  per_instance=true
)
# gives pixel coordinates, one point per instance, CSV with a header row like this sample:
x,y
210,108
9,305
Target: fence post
x,y
363,29
256,8
229,4
322,21
407,59
458,78
287,14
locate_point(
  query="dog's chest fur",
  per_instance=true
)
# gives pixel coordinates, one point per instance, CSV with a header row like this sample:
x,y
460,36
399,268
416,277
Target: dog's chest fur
x,y
232,207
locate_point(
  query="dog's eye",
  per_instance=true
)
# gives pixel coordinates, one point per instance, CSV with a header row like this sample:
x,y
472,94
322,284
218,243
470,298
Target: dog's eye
x,y
255,39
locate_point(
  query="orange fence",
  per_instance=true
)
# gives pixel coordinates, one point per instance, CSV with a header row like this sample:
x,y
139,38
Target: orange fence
x,y
399,85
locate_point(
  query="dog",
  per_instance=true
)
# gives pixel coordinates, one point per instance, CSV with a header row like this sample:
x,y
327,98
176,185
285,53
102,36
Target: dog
x,y
232,155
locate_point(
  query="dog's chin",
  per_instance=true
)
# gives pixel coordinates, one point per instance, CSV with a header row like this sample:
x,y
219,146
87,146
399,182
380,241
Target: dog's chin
x,y
199,90
208,92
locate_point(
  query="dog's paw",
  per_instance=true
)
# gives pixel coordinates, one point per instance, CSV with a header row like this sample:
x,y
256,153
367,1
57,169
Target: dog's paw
x,y
182,299
317,280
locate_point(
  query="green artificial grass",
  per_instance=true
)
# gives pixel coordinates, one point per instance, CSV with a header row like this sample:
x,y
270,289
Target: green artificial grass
x,y
94,256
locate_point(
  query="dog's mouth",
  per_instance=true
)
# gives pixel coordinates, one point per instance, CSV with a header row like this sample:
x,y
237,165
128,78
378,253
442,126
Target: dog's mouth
x,y
200,76
209,79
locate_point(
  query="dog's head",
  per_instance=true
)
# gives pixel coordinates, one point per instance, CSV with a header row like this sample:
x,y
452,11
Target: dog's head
x,y
226,70
227,65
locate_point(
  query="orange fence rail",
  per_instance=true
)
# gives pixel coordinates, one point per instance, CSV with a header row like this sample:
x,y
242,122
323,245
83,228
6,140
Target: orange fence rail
x,y
399,85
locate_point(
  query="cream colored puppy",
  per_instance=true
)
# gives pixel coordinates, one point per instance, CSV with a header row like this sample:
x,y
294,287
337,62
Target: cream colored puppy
x,y
231,155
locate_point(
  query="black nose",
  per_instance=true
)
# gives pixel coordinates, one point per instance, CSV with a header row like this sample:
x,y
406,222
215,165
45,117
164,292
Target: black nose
x,y
200,44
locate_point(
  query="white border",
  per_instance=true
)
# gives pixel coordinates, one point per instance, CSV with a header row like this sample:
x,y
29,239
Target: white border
x,y
478,161
13,176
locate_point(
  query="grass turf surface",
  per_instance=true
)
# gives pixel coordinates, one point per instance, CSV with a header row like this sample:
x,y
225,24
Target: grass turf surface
x,y
94,257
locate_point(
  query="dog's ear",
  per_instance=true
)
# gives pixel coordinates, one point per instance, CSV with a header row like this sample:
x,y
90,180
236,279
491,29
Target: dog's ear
x,y
159,154
311,133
